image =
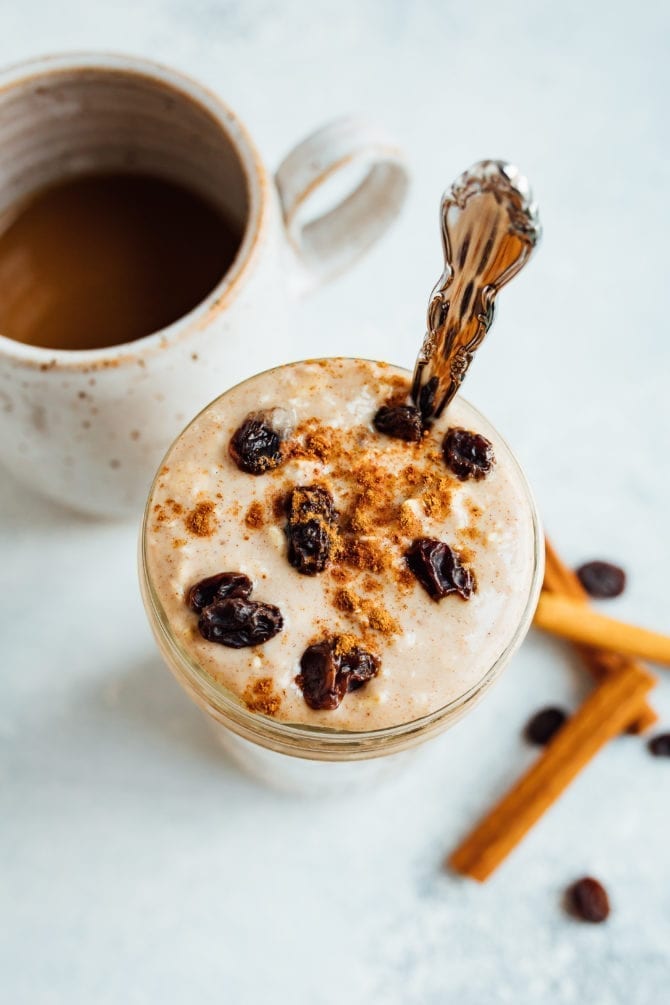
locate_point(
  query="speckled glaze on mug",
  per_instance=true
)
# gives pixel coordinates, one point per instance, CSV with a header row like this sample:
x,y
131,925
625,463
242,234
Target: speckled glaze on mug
x,y
88,427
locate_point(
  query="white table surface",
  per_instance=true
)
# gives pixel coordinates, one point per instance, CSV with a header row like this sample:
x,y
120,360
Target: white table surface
x,y
137,865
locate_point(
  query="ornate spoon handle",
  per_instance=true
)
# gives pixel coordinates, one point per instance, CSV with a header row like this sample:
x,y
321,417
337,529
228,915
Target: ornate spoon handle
x,y
490,226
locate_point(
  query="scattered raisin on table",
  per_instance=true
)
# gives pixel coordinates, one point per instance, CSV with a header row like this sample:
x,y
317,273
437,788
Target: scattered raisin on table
x,y
468,455
659,745
311,519
219,587
438,568
587,899
256,445
542,726
403,422
602,579
238,622
326,674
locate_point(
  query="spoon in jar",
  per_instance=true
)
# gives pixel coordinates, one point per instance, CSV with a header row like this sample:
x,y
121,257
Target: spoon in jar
x,y
490,226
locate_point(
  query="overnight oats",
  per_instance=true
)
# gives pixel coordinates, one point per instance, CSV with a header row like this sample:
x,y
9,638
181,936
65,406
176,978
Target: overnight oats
x,y
333,572
311,577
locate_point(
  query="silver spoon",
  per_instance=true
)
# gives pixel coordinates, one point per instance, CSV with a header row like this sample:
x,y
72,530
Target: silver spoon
x,y
490,225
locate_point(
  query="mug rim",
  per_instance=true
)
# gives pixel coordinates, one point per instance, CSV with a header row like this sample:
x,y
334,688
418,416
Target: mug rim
x,y
256,179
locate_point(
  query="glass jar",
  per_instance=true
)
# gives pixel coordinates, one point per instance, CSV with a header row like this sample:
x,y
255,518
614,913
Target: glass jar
x,y
307,758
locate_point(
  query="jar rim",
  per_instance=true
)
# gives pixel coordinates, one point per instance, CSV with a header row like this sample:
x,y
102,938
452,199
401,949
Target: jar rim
x,y
322,742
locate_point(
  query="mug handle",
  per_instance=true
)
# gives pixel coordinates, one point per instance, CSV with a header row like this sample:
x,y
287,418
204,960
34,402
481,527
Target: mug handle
x,y
327,244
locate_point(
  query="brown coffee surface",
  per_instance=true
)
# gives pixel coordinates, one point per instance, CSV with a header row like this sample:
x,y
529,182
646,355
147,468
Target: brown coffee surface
x,y
105,259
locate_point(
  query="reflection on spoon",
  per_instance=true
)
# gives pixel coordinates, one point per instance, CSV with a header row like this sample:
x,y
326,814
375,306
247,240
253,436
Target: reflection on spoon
x,y
490,226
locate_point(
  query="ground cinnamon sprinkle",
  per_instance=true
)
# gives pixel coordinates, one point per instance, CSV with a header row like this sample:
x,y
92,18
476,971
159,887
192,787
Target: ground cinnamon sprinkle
x,y
201,520
370,614
162,515
346,600
436,500
260,696
473,534
346,643
413,475
278,503
405,579
364,554
360,522
400,385
379,618
474,510
409,521
312,441
320,444
255,517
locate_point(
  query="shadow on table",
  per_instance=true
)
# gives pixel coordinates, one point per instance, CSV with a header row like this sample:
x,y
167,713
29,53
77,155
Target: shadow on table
x,y
150,708
147,700
22,506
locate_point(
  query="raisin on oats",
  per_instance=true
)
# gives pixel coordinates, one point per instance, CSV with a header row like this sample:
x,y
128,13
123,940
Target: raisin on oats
x,y
219,587
326,674
256,445
238,622
438,568
403,422
468,455
311,519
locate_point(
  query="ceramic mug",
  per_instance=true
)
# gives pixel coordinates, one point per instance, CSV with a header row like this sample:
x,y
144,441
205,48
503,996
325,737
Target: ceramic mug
x,y
88,427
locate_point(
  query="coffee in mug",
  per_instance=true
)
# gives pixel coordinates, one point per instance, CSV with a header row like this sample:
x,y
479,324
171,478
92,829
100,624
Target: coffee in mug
x,y
104,259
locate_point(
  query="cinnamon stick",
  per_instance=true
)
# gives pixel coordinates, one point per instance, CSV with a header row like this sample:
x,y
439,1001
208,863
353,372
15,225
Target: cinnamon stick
x,y
561,579
613,703
580,623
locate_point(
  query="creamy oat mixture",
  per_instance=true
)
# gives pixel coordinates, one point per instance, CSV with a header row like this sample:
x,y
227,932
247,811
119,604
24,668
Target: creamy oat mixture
x,y
206,516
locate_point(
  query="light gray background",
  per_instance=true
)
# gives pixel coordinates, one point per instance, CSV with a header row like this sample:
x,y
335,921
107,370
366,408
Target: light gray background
x,y
137,865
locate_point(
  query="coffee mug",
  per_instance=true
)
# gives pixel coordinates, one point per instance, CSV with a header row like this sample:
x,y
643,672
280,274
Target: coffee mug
x,y
88,427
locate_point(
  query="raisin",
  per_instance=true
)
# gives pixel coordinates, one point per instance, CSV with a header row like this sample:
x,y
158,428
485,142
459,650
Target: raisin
x,y
660,745
225,584
326,674
360,666
468,455
587,899
238,622
439,569
602,579
311,518
318,677
256,445
540,729
403,422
